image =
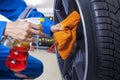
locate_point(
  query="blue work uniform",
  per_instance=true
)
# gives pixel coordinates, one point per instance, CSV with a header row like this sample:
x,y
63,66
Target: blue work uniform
x,y
12,9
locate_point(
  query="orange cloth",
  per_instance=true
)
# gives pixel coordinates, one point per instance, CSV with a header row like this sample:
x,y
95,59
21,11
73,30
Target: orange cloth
x,y
66,38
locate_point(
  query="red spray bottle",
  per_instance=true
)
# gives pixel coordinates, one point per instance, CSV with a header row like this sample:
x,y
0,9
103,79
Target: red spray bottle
x,y
17,59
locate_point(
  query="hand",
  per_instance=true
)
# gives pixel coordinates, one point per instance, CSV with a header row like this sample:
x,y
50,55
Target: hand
x,y
22,30
56,28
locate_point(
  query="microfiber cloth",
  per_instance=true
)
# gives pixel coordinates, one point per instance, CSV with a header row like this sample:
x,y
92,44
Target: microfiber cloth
x,y
65,38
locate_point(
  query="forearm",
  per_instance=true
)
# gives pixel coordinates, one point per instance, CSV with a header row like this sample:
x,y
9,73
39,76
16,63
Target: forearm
x,y
3,49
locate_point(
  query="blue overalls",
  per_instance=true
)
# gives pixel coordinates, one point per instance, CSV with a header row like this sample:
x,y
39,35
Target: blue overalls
x,y
12,9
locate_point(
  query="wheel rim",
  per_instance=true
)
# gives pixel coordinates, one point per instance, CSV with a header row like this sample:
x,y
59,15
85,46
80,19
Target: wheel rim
x,y
85,39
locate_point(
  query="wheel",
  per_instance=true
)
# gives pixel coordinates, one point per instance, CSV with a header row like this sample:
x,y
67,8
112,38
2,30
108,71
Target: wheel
x,y
96,54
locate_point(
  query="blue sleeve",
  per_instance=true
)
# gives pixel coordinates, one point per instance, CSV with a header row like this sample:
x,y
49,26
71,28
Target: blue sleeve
x,y
3,49
2,28
12,8
35,13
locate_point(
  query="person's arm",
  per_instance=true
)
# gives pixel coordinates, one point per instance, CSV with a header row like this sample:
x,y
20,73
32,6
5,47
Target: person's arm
x,y
22,31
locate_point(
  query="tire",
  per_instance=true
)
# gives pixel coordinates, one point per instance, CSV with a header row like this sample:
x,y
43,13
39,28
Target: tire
x,y
96,55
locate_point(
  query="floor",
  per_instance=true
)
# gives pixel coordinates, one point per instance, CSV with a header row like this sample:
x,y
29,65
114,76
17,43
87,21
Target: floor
x,y
51,69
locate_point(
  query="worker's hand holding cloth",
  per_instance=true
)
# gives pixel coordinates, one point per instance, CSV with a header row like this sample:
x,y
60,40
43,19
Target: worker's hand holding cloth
x,y
66,37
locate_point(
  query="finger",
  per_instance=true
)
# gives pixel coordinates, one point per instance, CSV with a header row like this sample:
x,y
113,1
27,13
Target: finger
x,y
42,34
29,39
55,29
34,26
34,32
58,27
41,28
37,32
29,36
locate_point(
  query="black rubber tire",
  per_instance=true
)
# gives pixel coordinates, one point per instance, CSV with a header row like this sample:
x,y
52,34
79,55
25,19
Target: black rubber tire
x,y
101,19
